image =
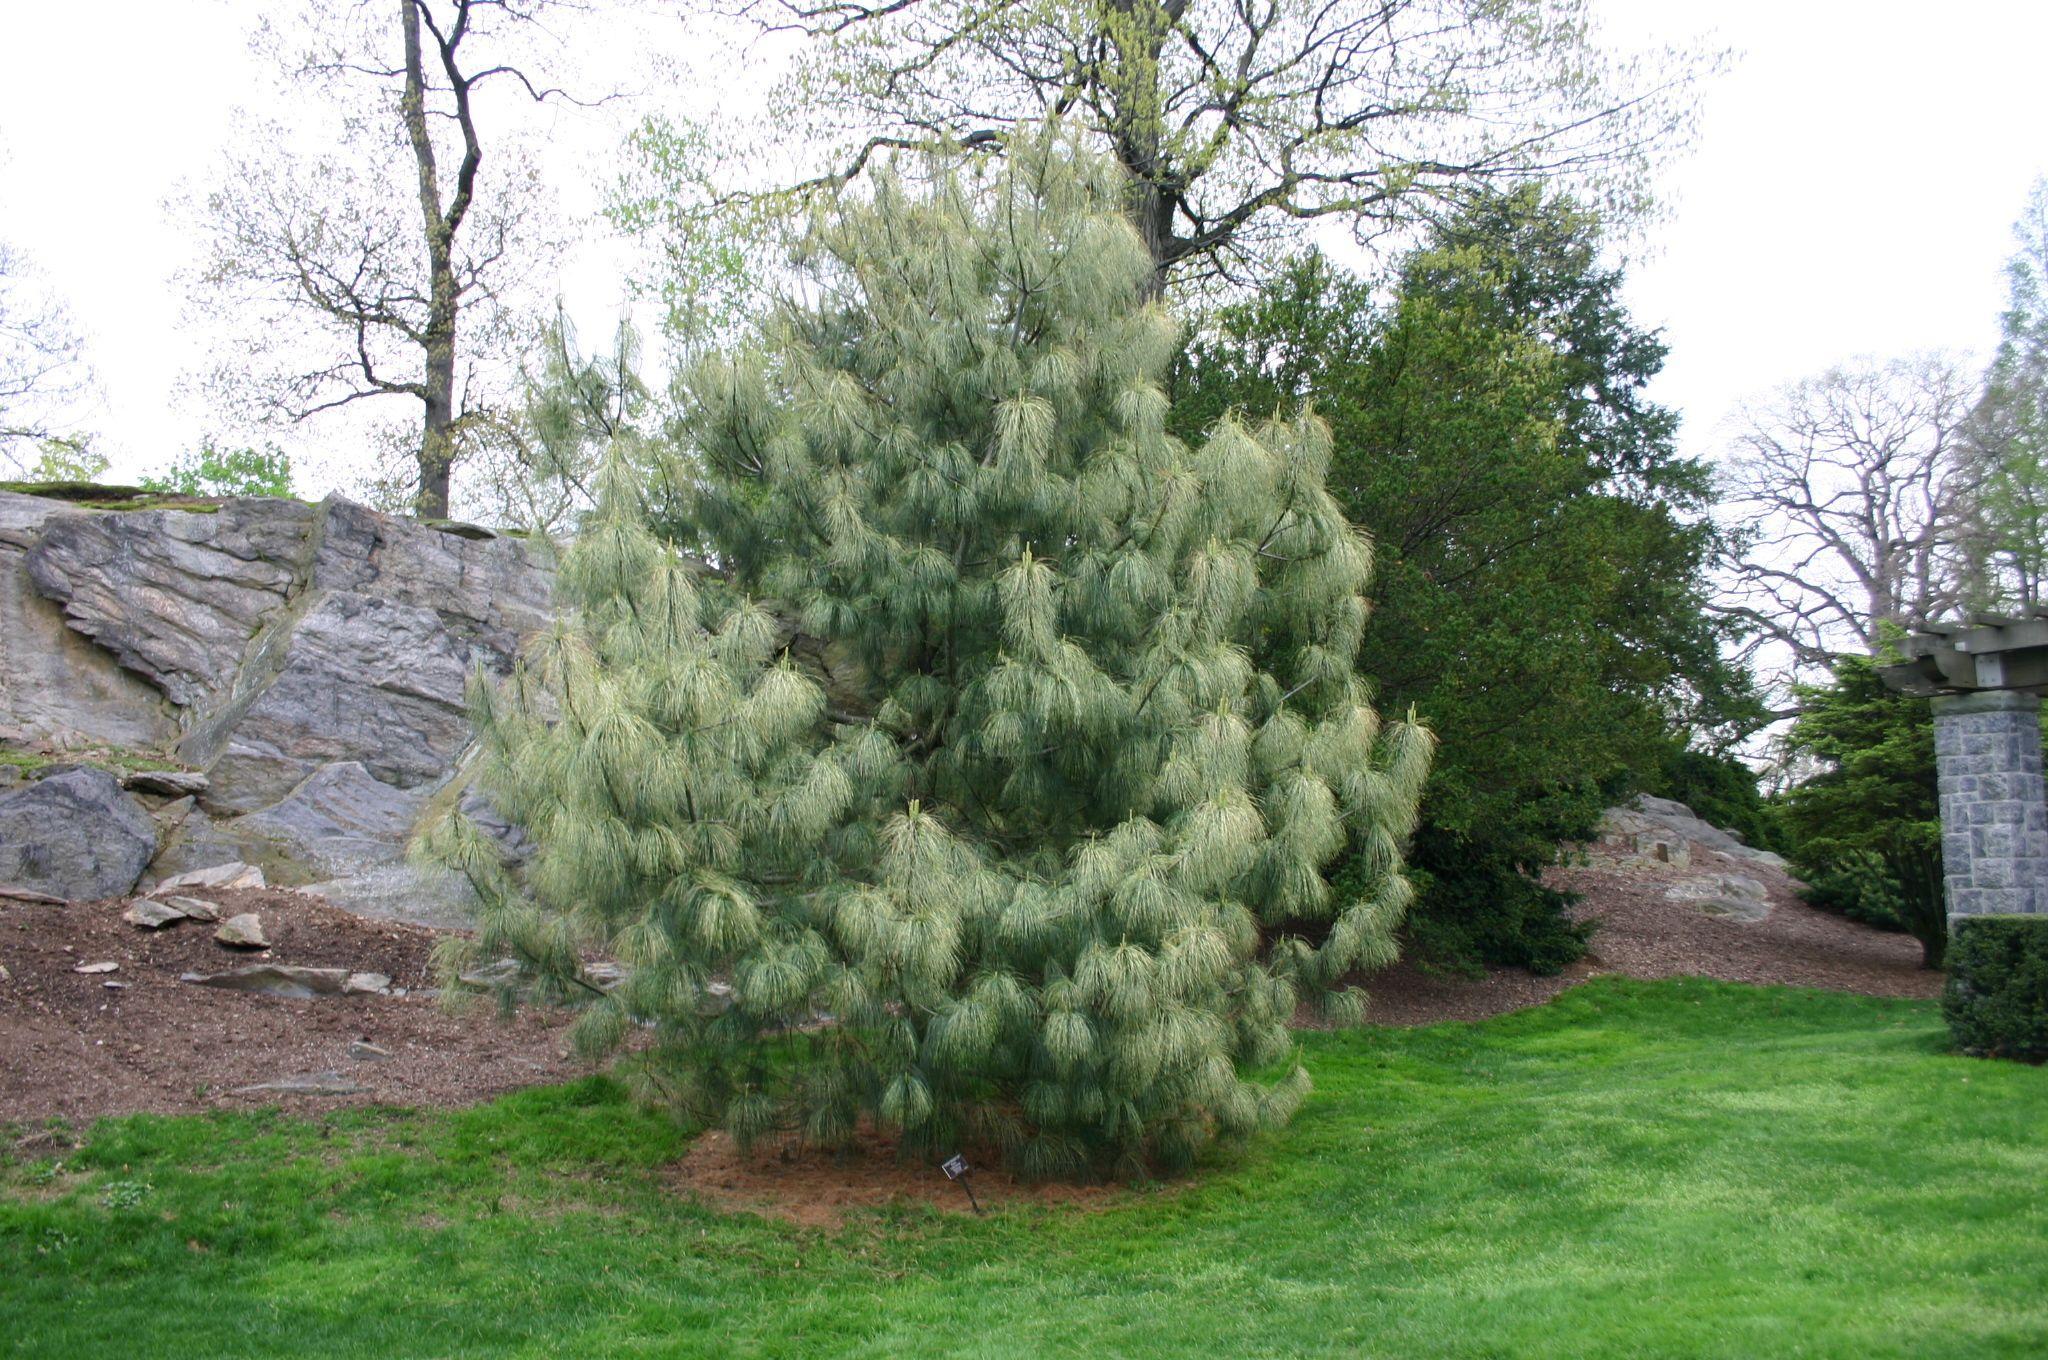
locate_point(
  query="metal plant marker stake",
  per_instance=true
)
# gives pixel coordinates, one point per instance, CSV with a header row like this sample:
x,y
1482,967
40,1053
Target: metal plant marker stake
x,y
956,1169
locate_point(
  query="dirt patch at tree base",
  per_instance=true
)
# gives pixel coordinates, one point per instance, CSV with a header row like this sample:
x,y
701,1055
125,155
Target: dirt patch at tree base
x,y
817,1189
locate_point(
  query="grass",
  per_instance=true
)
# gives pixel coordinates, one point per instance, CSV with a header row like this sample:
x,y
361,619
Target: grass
x,y
1668,1169
114,760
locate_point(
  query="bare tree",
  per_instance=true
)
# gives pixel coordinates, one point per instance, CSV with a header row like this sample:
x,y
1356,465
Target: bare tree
x,y
1850,500
42,372
383,267
1236,119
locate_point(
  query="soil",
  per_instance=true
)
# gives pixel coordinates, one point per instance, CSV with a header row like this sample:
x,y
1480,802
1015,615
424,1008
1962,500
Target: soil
x,y
72,1046
819,1189
1643,934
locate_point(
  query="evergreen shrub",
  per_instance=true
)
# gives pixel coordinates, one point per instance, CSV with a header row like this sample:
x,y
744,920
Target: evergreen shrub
x,y
1996,1002
1045,873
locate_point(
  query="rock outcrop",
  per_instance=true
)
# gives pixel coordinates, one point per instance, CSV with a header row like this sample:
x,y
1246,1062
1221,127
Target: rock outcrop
x,y
1665,830
74,834
308,660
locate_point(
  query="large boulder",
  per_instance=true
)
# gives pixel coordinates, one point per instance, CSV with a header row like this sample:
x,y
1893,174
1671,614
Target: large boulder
x,y
1654,821
74,835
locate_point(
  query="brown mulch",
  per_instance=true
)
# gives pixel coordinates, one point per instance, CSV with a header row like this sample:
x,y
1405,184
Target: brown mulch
x,y
1642,934
818,1189
71,1046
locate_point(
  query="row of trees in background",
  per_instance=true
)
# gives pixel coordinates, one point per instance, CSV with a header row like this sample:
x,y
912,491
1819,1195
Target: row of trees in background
x,y
1556,588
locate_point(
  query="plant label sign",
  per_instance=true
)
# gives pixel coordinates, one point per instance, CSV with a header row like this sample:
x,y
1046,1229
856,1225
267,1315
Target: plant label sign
x,y
954,1166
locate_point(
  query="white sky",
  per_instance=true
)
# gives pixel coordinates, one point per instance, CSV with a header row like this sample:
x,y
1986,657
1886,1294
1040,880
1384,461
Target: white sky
x,y
1851,190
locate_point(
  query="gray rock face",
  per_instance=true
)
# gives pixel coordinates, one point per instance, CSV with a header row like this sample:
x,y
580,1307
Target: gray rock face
x,y
359,679
53,682
489,592
174,595
339,820
74,835
310,661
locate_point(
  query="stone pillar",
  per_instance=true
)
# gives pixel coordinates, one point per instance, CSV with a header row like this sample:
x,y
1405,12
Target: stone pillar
x,y
1994,814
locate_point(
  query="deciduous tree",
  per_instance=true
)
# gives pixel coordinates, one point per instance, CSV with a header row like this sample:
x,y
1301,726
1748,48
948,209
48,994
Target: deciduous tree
x,y
42,369
1235,123
386,267
1858,496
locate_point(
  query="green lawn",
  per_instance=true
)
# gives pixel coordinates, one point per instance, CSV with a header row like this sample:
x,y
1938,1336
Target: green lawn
x,y
1680,1168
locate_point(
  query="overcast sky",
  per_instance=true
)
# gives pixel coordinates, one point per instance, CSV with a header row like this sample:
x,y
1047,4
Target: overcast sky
x,y
1851,191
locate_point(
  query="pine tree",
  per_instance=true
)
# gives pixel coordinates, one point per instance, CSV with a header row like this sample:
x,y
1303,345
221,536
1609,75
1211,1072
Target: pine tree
x,y
1047,873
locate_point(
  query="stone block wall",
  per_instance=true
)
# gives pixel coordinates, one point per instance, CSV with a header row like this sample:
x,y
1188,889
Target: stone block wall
x,y
1994,809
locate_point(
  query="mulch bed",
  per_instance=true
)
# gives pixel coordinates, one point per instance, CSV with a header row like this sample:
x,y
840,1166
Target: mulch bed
x,y
1643,934
816,1189
70,1046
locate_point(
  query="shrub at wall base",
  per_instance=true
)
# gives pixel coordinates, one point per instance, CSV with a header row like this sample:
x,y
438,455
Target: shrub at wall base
x,y
1997,998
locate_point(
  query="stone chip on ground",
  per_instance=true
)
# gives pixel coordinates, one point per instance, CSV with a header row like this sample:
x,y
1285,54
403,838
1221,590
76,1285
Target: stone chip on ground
x,y
276,979
154,915
198,908
243,932
304,1084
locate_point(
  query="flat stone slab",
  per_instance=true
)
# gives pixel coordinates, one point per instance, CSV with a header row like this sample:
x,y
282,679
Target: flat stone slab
x,y
153,915
198,908
276,979
233,874
243,932
305,1084
165,783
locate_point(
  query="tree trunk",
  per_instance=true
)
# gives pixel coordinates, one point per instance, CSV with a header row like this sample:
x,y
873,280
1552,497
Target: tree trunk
x,y
436,455
1137,30
437,431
